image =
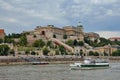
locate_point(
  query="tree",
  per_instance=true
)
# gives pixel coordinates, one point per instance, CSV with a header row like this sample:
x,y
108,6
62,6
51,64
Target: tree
x,y
14,35
49,43
115,42
34,36
69,42
25,33
12,52
23,40
75,43
33,53
8,40
96,54
81,52
80,43
27,51
56,52
36,43
91,53
39,43
86,40
96,41
64,36
54,36
45,51
104,42
62,50
116,53
1,40
4,50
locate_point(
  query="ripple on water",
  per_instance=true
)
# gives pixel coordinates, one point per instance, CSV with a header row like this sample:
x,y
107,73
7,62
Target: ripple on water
x,y
57,72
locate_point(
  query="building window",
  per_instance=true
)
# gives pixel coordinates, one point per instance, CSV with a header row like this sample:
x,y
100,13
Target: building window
x,y
43,32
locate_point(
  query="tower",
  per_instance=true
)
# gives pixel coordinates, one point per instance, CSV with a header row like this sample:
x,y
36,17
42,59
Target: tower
x,y
79,25
79,31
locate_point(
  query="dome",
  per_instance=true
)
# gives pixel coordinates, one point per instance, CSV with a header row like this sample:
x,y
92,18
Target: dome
x,y
79,24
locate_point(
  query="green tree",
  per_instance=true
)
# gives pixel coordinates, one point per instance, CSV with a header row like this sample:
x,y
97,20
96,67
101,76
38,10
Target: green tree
x,y
116,53
8,40
49,43
23,41
27,51
75,43
14,35
87,40
96,41
39,43
64,36
56,52
54,36
81,52
96,54
1,40
104,42
34,36
62,50
4,50
91,53
115,43
45,51
80,43
33,53
12,52
25,33
69,42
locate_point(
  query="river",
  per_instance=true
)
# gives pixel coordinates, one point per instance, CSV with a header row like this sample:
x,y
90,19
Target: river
x,y
57,72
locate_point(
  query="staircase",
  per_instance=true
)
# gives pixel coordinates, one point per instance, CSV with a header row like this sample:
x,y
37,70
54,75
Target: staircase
x,y
58,42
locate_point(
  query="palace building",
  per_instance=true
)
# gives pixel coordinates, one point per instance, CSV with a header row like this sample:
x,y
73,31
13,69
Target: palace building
x,y
50,31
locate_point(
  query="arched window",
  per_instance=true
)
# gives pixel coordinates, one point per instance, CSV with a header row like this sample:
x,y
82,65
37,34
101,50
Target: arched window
x,y
43,32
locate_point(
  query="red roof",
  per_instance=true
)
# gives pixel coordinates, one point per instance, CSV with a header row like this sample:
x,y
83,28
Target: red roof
x,y
1,30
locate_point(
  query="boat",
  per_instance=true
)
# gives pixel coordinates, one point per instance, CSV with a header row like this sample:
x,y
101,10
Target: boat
x,y
39,63
90,64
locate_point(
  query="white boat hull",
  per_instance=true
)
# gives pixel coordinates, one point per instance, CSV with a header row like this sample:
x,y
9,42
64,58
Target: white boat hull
x,y
89,66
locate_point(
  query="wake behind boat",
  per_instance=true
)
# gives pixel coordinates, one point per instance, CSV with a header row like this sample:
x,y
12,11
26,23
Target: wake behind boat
x,y
90,64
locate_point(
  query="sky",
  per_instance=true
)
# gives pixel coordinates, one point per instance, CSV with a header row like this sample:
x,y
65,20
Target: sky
x,y
100,16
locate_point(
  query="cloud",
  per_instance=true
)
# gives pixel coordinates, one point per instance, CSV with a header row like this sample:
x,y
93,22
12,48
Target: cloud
x,y
108,34
94,14
103,1
44,9
111,12
10,20
5,5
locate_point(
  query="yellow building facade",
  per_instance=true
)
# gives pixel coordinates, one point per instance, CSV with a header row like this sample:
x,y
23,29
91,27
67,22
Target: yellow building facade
x,y
50,30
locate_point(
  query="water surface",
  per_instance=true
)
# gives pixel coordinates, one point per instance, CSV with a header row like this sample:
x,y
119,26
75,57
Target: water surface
x,y
57,72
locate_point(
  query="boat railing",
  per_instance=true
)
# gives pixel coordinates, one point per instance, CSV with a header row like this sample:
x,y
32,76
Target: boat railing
x,y
90,61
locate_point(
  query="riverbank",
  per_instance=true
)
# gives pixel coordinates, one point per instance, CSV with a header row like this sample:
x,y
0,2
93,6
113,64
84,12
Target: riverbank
x,y
26,60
